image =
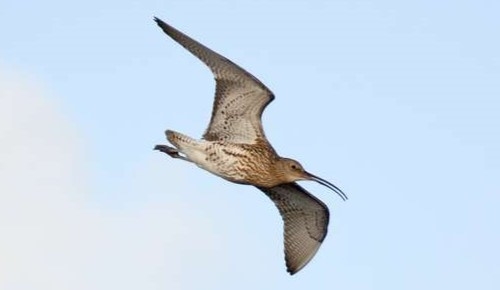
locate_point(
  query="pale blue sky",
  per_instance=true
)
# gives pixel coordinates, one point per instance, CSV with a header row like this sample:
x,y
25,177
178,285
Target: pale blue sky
x,y
396,102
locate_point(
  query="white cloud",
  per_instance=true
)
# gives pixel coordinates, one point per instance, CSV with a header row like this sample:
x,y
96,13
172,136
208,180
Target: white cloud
x,y
51,234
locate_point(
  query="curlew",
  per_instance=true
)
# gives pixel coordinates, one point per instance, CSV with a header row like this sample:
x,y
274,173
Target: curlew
x,y
235,148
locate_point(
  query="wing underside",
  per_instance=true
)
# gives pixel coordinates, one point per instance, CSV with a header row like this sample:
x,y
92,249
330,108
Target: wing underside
x,y
240,97
305,223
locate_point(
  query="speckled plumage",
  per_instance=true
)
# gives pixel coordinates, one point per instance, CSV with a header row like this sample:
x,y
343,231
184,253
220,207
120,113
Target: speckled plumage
x,y
235,148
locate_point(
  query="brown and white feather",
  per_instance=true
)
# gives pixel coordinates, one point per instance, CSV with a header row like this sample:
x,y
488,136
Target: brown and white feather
x,y
305,222
240,98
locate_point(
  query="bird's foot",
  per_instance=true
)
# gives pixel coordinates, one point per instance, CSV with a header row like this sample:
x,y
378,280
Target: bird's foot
x,y
170,151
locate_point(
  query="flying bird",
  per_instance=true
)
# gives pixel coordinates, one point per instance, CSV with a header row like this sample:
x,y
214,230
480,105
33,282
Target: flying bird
x,y
235,148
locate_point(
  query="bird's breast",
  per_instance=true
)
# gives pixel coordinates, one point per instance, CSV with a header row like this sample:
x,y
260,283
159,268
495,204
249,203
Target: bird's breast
x,y
241,163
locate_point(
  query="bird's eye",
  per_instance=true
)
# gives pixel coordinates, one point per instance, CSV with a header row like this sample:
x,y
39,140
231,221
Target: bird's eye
x,y
294,167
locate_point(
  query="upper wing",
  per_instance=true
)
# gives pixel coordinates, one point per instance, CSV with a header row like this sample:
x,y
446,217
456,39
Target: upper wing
x,y
305,220
240,98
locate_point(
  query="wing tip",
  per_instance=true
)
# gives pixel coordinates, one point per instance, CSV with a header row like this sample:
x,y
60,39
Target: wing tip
x,y
293,269
163,25
157,20
296,262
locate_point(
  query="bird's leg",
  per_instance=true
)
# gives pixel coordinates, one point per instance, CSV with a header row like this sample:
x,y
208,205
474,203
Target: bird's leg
x,y
170,151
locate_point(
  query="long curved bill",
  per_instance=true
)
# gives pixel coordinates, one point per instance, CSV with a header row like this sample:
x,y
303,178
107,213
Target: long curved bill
x,y
329,185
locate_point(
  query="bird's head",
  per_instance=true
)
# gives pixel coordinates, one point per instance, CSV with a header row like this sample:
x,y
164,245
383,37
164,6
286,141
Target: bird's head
x,y
293,171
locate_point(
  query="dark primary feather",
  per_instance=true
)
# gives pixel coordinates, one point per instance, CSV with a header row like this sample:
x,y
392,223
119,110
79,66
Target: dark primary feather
x,y
240,97
305,222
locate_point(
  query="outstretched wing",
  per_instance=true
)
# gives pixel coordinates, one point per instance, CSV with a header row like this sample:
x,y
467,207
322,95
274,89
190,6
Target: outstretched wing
x,y
305,221
240,98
